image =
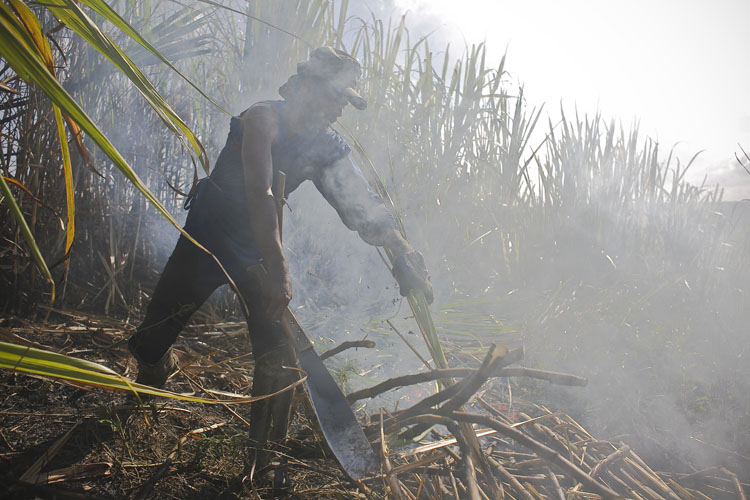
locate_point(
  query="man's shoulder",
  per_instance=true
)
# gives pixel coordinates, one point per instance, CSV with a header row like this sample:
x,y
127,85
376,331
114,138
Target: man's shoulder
x,y
268,109
261,116
326,148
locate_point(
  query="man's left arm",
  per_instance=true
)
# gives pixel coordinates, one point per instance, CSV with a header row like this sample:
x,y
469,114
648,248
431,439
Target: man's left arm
x,y
361,209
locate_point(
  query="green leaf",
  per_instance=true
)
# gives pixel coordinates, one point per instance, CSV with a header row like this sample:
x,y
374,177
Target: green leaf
x,y
51,364
113,17
30,241
77,20
27,63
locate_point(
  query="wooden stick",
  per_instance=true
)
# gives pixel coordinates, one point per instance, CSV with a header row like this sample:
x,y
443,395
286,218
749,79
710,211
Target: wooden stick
x,y
391,479
541,450
498,371
607,462
472,384
419,378
736,482
349,344
423,406
507,476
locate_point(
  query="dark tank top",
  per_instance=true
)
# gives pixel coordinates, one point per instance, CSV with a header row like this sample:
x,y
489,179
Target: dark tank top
x,y
218,216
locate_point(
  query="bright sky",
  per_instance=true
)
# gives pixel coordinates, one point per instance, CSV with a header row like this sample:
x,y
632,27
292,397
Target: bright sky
x,y
681,67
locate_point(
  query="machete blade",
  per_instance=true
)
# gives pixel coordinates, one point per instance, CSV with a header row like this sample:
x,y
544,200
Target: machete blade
x,y
336,418
337,421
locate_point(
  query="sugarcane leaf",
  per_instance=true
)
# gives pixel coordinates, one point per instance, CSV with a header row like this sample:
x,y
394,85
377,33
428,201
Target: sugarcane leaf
x,y
70,227
71,14
28,236
29,66
113,17
34,28
60,366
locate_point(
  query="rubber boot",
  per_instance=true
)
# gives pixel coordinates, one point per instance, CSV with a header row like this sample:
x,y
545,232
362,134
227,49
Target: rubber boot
x,y
153,374
269,418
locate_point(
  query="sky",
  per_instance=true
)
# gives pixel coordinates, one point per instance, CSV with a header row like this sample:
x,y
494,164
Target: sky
x,y
677,67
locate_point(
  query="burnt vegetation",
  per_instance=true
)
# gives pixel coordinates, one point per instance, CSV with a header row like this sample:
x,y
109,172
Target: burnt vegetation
x,y
619,289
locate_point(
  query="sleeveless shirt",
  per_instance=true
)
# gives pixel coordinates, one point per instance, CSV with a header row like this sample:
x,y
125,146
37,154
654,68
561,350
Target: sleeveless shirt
x,y
218,217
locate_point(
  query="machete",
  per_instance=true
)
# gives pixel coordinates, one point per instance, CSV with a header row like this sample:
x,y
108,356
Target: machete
x,y
340,428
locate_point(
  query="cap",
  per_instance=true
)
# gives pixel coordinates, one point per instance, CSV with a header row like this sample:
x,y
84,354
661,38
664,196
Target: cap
x,y
337,67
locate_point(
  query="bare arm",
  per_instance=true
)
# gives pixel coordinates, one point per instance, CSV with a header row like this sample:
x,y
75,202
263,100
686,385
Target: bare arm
x,y
361,210
259,130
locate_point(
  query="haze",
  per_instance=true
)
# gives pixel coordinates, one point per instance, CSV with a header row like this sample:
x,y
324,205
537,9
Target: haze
x,y
678,67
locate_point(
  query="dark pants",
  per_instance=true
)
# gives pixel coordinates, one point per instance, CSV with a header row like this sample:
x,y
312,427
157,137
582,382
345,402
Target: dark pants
x,y
188,279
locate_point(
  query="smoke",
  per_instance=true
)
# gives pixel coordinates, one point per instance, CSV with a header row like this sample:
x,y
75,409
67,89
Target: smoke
x,y
647,299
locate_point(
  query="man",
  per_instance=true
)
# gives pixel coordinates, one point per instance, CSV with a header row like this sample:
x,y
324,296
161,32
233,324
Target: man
x,y
233,214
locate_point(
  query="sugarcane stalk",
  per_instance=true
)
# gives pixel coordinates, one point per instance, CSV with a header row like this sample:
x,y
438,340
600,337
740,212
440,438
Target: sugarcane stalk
x,y
650,476
643,487
735,482
541,450
611,459
507,476
391,479
556,483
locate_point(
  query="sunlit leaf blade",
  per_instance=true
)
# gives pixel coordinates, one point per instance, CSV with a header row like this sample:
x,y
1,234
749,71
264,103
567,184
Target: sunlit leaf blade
x,y
50,364
77,20
26,62
417,300
70,227
34,29
29,66
110,15
30,241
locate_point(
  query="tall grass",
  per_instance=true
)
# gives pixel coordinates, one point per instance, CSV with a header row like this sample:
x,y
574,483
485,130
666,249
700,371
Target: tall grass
x,y
448,134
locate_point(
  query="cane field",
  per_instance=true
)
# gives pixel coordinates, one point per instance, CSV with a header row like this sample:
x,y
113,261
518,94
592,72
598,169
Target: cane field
x,y
591,305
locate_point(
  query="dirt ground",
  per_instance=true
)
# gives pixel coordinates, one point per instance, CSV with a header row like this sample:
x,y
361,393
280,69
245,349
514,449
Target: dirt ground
x,y
165,449
63,441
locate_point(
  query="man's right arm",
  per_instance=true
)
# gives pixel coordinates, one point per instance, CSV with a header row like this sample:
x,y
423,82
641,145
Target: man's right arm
x,y
259,129
346,189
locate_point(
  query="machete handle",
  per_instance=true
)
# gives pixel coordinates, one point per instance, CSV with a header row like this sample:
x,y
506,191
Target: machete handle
x,y
292,329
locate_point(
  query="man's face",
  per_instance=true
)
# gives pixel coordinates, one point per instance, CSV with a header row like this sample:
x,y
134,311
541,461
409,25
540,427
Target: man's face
x,y
325,102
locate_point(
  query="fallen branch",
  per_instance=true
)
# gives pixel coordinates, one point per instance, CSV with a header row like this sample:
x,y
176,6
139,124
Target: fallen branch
x,y
471,384
459,392
500,370
350,344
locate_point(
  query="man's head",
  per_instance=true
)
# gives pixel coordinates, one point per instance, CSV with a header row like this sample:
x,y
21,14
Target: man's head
x,y
325,83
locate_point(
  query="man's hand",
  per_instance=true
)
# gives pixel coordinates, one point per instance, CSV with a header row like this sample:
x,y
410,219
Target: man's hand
x,y
411,274
277,291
